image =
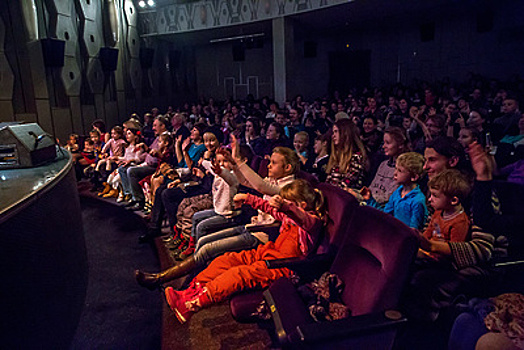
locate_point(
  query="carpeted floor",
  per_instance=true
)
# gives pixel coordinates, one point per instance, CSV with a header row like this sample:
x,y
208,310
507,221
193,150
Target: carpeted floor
x,y
118,314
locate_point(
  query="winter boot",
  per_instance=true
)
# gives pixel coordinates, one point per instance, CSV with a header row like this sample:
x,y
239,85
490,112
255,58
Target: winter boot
x,y
185,303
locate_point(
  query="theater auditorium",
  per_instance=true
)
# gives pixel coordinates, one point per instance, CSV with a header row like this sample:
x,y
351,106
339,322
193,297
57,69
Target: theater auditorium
x,y
262,174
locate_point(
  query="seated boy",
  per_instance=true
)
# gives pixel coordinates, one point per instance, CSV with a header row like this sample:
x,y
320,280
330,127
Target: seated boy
x,y
301,143
449,223
408,203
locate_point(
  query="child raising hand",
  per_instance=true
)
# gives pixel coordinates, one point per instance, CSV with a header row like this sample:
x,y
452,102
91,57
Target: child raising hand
x,y
300,207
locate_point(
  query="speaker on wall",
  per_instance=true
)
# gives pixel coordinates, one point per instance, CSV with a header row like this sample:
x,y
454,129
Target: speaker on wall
x,y
108,58
146,57
239,52
310,49
53,52
427,32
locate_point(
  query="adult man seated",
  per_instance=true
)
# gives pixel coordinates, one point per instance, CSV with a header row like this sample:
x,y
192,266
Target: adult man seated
x,y
132,175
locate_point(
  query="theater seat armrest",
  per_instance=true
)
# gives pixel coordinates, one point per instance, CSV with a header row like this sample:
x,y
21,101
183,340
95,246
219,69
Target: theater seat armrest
x,y
300,263
346,328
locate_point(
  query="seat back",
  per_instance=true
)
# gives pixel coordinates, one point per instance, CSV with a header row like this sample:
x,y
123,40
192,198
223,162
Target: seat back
x,y
341,207
373,260
255,162
308,177
262,167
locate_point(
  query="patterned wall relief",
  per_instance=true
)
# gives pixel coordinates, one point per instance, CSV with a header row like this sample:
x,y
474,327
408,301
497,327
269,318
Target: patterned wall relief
x,y
6,74
206,14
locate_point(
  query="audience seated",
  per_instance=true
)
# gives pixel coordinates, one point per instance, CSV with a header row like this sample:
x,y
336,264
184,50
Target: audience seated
x,y
352,137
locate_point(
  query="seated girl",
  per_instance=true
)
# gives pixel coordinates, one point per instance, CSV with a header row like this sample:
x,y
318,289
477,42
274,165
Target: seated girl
x,y
300,207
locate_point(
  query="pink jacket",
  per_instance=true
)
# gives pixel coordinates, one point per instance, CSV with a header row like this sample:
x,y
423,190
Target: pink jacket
x,y
310,226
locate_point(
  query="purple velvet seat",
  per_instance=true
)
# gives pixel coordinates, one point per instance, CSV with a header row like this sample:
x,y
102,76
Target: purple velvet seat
x,y
341,207
373,260
262,167
308,177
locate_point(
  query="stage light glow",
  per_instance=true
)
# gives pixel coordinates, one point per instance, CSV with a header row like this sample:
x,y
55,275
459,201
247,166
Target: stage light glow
x,y
150,3
142,3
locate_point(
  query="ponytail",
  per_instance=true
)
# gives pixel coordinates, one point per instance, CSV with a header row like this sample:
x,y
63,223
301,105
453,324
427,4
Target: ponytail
x,y
301,191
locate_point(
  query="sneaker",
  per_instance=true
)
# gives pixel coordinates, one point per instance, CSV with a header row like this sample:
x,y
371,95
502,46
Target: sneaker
x,y
120,197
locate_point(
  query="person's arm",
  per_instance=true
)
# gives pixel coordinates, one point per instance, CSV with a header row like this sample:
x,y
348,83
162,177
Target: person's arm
x,y
107,146
479,250
229,177
418,216
185,152
390,205
438,247
178,149
259,204
306,221
256,182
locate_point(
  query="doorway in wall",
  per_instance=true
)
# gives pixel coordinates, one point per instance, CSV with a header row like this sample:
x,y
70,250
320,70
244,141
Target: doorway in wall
x,y
348,69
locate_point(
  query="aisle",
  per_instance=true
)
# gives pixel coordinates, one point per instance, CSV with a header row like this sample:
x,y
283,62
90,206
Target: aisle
x,y
118,314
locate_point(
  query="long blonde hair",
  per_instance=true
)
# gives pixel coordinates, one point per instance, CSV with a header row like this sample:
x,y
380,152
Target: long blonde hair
x,y
349,144
301,190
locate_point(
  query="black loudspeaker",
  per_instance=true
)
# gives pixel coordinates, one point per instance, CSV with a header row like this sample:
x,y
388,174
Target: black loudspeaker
x,y
146,57
427,32
108,57
53,52
239,52
484,21
310,49
174,59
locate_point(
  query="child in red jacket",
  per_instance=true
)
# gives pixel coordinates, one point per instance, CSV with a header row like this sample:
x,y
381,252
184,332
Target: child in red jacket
x,y
300,207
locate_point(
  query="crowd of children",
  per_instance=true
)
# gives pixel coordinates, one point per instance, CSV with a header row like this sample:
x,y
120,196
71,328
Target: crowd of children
x,y
405,155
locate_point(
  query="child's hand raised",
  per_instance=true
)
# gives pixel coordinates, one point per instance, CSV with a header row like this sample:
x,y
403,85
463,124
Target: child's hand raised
x,y
276,202
239,199
217,169
198,172
227,157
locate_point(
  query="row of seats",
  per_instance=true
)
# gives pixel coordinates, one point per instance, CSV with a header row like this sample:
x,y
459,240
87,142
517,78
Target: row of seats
x,y
371,252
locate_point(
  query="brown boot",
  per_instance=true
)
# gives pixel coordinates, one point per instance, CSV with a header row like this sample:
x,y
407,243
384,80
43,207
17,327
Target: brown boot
x,y
112,193
106,189
152,281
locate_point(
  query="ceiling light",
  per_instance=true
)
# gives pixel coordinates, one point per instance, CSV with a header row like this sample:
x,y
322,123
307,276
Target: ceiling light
x,y
142,3
150,3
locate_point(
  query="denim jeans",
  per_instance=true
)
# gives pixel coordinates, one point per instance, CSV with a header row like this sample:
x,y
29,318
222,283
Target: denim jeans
x,y
233,239
206,222
125,180
135,174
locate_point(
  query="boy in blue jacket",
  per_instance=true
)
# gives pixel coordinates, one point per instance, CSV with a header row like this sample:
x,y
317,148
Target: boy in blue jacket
x,y
408,203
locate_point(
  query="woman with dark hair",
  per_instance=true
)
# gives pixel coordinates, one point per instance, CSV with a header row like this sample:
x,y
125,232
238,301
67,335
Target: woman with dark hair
x,y
100,126
348,160
275,137
252,136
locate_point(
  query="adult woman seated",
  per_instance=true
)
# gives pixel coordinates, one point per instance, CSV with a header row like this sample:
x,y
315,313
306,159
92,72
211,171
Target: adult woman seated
x,y
189,152
252,136
348,160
